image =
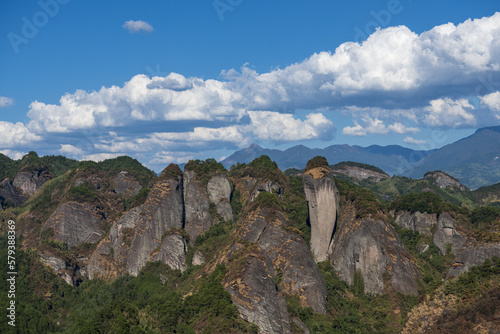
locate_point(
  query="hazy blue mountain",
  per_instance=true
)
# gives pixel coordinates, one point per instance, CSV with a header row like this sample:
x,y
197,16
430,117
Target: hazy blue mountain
x,y
474,160
393,159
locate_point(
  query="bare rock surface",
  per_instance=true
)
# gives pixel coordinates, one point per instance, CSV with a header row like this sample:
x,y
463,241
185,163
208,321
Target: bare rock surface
x,y
447,233
30,182
323,200
74,223
197,205
372,247
126,185
417,221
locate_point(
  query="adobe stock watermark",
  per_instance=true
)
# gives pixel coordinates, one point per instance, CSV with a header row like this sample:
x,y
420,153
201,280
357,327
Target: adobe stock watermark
x,y
223,6
11,273
381,19
30,26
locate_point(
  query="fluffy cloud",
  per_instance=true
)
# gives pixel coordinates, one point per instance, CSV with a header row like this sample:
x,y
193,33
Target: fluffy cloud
x,y
70,150
393,69
491,101
450,113
165,158
15,135
376,126
16,155
137,26
6,101
413,141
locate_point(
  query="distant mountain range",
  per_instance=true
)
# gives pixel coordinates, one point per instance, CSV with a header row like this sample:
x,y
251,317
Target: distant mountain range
x,y
474,160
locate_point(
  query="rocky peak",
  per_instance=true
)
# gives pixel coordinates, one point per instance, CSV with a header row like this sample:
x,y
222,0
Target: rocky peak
x,y
33,173
126,185
323,201
358,172
443,180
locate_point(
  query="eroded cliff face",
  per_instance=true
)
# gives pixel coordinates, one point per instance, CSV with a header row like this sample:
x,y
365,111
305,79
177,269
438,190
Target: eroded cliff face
x,y
140,235
10,195
197,206
75,223
219,193
443,180
268,261
372,247
358,174
417,221
473,255
447,233
30,182
126,185
323,201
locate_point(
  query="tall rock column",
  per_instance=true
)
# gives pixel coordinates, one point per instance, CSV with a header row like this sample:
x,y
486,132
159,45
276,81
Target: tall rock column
x,y
323,200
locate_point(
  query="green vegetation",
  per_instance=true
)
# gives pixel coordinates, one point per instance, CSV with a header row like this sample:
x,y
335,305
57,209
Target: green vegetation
x,y
8,167
83,193
58,164
316,162
295,206
114,166
350,310
137,200
262,167
421,202
205,169
32,162
364,200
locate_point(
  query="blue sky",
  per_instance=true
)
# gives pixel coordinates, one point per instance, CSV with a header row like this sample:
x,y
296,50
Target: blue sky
x,y
199,79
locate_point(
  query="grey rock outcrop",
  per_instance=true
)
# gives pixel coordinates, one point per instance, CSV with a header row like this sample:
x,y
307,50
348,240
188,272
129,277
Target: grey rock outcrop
x,y
268,186
9,194
172,252
197,205
447,233
219,193
74,223
443,180
30,182
253,291
198,259
289,255
417,221
474,255
126,185
141,231
372,247
359,174
323,201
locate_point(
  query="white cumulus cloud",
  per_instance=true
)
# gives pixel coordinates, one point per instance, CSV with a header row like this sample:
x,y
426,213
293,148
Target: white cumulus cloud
x,y
137,26
15,135
413,141
6,101
376,126
450,113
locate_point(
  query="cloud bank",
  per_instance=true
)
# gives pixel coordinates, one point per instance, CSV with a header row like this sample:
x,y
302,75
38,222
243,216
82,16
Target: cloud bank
x,y
395,82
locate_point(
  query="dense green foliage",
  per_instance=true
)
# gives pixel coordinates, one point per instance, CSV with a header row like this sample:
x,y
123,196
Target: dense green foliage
x,y
32,162
421,202
83,193
114,166
396,186
8,167
364,200
350,310
205,169
316,162
58,164
295,206
262,167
